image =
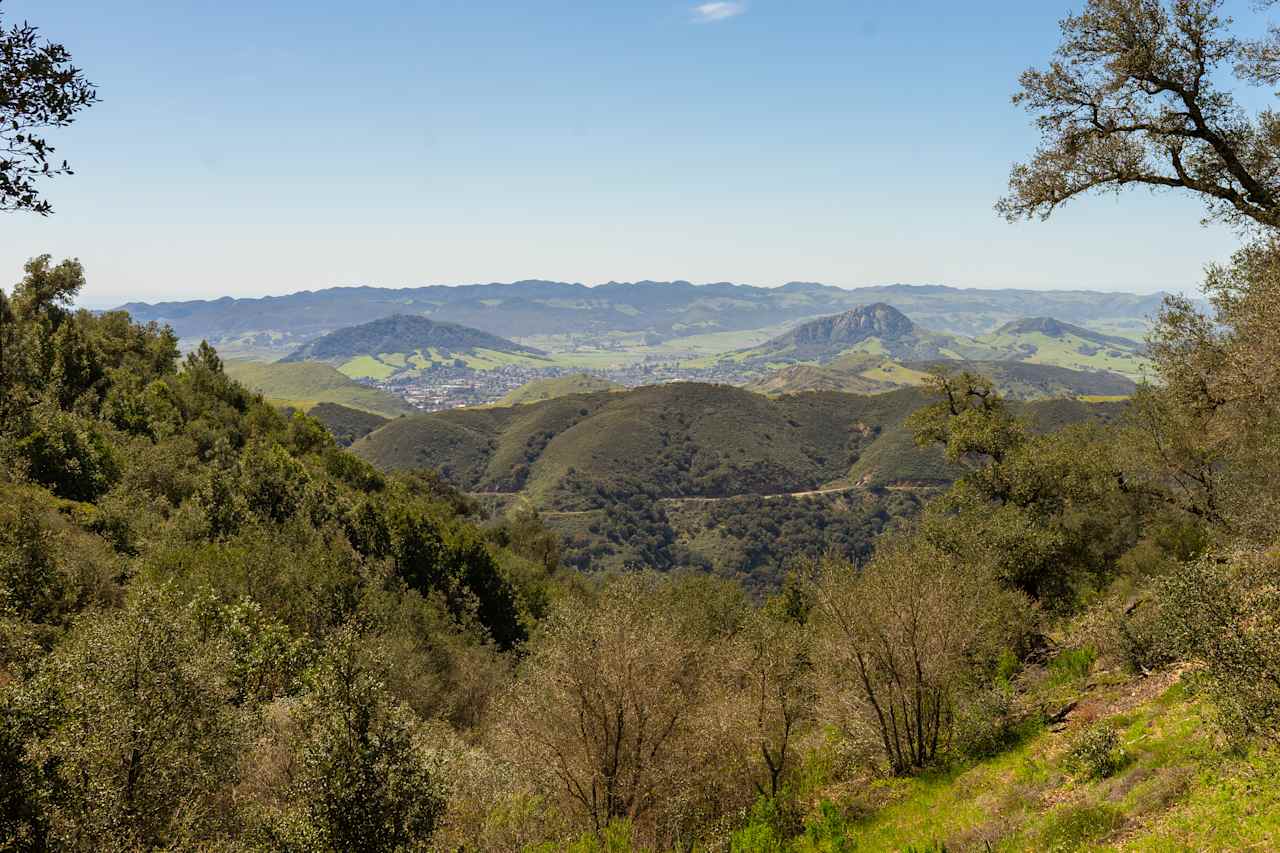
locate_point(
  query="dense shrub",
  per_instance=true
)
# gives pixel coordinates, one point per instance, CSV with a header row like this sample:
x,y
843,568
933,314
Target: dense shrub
x,y
1071,665
139,728
902,642
1095,753
361,777
1225,613
1142,635
67,453
991,720
608,713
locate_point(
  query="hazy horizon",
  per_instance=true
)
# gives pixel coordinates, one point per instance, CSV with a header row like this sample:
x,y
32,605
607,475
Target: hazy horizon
x,y
251,150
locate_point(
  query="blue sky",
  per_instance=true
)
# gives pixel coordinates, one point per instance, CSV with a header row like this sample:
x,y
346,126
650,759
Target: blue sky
x,y
248,148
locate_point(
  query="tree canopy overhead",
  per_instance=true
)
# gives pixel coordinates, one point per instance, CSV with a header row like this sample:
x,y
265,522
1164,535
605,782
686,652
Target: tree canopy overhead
x,y
1134,97
40,88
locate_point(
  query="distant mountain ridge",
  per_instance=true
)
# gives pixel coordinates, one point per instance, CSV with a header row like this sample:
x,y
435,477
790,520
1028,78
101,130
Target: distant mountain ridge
x,y
664,310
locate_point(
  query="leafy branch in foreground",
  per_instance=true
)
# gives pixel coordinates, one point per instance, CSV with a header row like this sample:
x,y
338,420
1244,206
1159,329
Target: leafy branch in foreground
x,y
1133,98
40,88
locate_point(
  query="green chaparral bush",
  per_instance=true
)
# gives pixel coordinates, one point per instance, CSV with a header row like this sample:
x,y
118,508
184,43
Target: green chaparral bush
x,y
1225,612
360,774
1095,753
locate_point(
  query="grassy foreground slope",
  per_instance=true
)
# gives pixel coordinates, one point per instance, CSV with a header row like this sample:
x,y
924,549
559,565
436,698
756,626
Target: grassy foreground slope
x,y
1175,787
305,384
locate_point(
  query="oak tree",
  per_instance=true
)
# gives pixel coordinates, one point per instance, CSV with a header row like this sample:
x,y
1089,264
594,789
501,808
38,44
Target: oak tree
x,y
40,89
1134,97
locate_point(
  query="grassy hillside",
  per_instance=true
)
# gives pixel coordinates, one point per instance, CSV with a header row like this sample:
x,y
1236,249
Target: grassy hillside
x,y
478,449
401,333
869,343
560,386
801,378
894,459
384,365
857,373
1043,340
306,384
678,440
681,440
691,474
853,373
404,344
654,476
346,424
1032,381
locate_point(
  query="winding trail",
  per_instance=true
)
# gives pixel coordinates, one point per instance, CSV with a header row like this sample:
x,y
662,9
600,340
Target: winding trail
x,y
708,500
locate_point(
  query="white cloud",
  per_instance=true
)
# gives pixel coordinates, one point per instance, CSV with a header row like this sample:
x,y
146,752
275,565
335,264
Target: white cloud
x,y
720,11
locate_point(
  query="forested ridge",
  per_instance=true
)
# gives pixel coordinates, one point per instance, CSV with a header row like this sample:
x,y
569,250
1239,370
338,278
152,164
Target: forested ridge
x,y
220,630
191,579
648,478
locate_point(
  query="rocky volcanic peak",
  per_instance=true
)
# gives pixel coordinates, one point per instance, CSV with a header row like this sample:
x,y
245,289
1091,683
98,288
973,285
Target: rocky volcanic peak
x,y
851,327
